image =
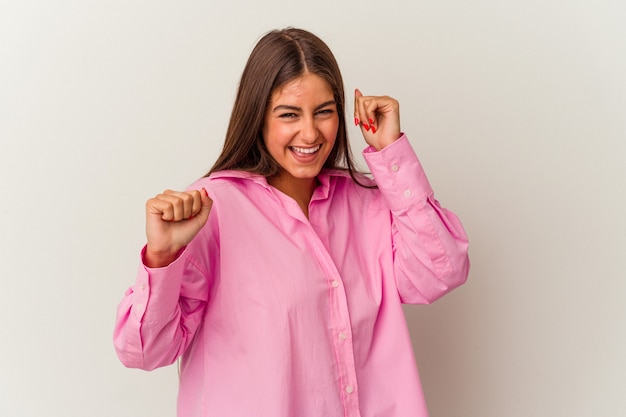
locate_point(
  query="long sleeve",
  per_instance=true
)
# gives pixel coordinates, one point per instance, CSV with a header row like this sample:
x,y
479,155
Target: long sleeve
x,y
430,245
159,315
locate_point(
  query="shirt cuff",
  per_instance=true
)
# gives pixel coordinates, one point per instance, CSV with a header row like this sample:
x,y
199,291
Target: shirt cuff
x,y
157,290
398,174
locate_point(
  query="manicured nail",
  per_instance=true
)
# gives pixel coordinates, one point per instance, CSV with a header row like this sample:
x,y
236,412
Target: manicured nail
x,y
371,121
373,129
366,127
356,121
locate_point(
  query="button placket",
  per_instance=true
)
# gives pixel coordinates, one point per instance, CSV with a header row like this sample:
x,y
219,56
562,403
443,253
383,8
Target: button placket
x,y
339,325
343,344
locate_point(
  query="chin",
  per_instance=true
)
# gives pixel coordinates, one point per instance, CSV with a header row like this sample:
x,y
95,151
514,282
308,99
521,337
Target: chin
x,y
305,174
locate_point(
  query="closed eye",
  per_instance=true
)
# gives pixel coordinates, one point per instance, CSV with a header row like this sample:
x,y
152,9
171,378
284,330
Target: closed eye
x,y
287,115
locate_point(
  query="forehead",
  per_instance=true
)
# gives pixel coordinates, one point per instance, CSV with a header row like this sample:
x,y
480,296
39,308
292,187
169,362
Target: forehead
x,y
307,86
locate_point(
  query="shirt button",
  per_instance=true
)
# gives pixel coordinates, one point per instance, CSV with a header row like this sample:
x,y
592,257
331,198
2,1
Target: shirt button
x,y
394,168
142,287
349,389
342,336
335,284
407,193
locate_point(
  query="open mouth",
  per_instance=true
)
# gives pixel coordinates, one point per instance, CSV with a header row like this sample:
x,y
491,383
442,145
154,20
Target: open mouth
x,y
305,151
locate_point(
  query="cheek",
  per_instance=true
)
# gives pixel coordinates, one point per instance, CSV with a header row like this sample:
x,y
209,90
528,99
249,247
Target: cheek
x,y
272,136
330,131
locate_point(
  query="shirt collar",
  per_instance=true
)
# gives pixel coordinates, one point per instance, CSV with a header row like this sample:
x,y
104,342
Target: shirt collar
x,y
324,177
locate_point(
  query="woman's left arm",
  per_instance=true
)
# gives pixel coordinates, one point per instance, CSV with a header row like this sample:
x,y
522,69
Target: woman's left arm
x,y
430,245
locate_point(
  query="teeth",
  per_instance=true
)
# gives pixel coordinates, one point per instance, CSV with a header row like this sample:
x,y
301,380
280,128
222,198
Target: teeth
x,y
306,150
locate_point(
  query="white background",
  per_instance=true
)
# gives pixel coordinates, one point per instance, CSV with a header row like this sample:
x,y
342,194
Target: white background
x,y
516,108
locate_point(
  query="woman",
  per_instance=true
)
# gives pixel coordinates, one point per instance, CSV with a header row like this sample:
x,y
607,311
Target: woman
x,y
279,277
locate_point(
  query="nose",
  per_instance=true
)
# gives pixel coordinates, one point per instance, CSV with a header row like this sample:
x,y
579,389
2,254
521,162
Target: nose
x,y
309,131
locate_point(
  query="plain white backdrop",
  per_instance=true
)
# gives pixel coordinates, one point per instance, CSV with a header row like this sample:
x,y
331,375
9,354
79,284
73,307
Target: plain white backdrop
x,y
517,110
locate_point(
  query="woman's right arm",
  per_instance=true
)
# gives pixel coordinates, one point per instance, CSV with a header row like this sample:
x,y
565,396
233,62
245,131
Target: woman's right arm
x,y
159,315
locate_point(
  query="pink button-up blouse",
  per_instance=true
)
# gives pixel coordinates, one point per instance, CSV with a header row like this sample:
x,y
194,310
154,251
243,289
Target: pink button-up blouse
x,y
278,315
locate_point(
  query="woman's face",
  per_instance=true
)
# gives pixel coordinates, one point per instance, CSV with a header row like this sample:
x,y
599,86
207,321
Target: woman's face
x,y
300,127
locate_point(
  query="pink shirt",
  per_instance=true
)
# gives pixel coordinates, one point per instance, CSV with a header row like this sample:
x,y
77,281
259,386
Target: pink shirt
x,y
278,315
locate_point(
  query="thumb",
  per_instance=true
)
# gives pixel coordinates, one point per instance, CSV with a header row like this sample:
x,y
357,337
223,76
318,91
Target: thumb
x,y
207,203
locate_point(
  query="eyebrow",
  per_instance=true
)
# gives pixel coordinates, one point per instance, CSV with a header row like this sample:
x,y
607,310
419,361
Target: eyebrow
x,y
296,108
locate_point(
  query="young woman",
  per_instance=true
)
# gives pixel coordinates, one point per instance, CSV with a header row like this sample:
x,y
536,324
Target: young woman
x,y
279,277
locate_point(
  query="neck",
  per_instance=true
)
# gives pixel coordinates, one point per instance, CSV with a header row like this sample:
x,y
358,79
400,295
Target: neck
x,y
301,190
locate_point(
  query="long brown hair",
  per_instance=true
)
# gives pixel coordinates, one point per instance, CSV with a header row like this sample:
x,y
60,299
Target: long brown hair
x,y
279,57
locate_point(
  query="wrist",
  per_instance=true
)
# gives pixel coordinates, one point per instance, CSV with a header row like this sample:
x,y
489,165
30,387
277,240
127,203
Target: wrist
x,y
380,145
159,259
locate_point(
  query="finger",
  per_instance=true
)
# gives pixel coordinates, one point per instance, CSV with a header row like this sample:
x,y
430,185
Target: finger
x,y
160,207
201,201
371,108
205,209
196,202
380,109
207,202
177,204
360,110
192,202
181,204
357,95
